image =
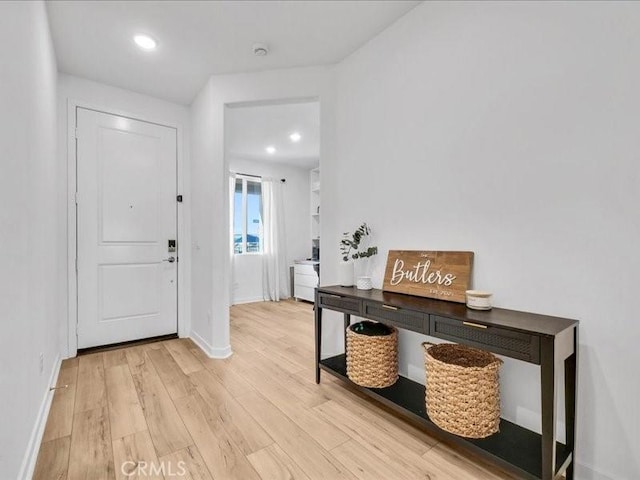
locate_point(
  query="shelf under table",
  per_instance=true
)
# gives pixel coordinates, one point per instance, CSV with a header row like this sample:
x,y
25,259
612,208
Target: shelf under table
x,y
513,446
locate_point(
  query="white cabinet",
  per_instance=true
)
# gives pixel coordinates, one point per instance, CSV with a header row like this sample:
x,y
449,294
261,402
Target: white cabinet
x,y
305,280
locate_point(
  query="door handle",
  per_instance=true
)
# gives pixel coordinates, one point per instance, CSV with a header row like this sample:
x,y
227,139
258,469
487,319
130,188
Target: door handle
x,y
170,259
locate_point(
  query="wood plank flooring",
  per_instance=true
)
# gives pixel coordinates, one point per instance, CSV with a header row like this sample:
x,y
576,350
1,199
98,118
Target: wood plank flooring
x,y
166,410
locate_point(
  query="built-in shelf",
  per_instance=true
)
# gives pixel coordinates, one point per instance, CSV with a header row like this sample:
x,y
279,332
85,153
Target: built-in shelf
x,y
513,445
314,202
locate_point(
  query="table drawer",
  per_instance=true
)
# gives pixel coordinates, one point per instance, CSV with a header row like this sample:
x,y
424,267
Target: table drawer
x,y
339,303
497,340
396,316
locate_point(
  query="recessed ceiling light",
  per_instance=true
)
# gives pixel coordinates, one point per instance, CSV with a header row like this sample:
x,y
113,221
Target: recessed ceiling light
x,y
295,137
145,42
271,149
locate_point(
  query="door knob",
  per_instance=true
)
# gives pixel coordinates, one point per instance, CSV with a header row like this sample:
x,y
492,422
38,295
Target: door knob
x,y
170,259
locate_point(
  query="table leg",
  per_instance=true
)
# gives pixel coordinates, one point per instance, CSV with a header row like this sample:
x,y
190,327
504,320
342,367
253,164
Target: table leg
x,y
347,322
318,330
548,394
570,384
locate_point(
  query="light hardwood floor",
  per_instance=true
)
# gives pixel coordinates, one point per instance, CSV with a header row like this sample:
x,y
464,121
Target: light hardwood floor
x,y
165,410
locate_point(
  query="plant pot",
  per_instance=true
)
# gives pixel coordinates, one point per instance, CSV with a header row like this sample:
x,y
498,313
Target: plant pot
x,y
345,274
364,283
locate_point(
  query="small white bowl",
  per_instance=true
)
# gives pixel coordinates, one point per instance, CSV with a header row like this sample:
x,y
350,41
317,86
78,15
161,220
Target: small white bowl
x,y
478,299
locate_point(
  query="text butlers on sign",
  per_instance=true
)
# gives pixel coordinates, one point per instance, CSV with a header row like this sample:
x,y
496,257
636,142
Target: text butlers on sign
x,y
441,275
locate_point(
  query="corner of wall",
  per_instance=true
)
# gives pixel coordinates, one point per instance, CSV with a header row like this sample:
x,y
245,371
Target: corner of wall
x,y
211,352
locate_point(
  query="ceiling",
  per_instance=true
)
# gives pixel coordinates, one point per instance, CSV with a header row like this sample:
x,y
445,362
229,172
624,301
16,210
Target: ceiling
x,y
250,129
93,39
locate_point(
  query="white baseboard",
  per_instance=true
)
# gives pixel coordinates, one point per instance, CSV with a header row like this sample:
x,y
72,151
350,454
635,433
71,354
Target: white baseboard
x,y
239,301
210,351
587,472
33,447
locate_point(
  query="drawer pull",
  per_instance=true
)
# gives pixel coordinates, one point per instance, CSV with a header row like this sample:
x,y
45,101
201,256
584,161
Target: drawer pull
x,y
476,325
332,295
389,307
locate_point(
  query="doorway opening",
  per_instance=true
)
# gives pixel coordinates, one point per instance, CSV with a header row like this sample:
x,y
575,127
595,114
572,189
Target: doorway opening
x,y
272,151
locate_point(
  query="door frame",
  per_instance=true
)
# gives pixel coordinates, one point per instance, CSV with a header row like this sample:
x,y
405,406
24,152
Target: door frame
x,y
183,216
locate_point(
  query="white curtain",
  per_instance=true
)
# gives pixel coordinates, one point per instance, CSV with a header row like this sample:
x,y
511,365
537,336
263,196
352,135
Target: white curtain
x,y
275,269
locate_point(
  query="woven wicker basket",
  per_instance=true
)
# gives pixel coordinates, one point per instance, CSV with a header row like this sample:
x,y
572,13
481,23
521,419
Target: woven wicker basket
x,y
462,389
372,361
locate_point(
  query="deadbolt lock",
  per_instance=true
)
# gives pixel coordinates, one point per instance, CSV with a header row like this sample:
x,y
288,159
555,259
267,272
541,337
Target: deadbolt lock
x,y
172,246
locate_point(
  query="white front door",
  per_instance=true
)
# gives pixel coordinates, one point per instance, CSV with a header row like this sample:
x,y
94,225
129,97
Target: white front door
x,y
126,214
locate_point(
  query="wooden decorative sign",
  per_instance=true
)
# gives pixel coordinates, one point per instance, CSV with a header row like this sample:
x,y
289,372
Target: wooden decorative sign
x,y
441,275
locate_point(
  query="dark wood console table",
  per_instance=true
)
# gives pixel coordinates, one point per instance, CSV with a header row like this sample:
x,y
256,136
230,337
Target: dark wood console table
x,y
550,342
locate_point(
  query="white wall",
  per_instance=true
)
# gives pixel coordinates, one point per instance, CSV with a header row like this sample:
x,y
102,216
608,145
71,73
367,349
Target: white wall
x,y
210,219
510,129
29,289
204,201
143,107
247,285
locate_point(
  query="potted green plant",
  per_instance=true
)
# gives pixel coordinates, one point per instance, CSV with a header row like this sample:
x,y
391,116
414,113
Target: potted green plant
x,y
353,247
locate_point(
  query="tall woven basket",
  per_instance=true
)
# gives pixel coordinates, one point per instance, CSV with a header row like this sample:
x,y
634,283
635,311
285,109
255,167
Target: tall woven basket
x,y
462,389
372,360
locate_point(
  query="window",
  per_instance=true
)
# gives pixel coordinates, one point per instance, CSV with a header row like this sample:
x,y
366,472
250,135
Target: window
x,y
247,216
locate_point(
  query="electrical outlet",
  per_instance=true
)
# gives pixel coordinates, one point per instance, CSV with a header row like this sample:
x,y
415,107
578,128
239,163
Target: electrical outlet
x,y
41,362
